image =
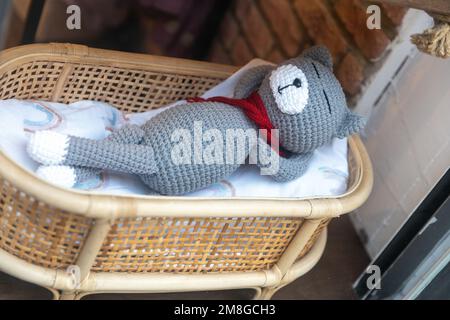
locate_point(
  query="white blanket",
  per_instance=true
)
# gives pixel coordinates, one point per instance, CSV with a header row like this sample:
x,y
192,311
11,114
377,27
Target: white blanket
x,y
326,175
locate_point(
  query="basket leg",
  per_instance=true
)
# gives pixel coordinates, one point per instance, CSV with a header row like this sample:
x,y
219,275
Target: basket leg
x,y
56,294
266,293
69,296
258,292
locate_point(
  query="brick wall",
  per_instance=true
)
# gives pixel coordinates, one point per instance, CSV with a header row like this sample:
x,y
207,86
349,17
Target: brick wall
x,y
278,29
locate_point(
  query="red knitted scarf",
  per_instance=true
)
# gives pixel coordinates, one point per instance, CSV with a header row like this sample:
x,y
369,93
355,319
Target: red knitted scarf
x,y
253,107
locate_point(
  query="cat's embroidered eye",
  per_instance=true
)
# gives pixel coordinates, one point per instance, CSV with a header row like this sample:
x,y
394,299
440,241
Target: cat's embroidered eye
x,y
297,83
328,101
315,69
290,89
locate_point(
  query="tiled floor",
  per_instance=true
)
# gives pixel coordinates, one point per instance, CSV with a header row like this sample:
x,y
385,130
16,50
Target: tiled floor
x,y
344,259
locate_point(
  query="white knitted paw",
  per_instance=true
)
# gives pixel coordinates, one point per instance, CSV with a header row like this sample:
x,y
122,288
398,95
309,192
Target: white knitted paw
x,y
48,147
63,176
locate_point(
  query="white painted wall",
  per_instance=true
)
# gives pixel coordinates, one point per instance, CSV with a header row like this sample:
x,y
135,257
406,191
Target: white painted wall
x,y
408,139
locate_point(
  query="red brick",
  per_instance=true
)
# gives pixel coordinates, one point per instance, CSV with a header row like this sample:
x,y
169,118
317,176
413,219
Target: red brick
x,y
321,26
285,24
218,54
394,13
257,32
351,74
276,56
229,31
241,53
352,13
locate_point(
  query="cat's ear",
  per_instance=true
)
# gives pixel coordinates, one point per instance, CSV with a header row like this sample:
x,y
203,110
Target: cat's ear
x,y
351,124
319,54
251,80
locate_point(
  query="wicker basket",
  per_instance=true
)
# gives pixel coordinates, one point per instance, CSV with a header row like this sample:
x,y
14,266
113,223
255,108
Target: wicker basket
x,y
77,243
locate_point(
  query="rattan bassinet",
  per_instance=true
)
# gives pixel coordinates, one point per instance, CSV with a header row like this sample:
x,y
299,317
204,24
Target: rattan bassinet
x,y
77,243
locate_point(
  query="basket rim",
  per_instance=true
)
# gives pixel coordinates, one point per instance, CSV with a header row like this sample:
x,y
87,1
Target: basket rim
x,y
96,205
66,52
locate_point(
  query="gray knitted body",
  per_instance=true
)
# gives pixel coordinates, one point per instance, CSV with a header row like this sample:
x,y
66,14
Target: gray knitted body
x,y
303,99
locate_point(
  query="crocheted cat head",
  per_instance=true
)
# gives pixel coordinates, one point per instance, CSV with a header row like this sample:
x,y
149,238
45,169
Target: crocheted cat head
x,y
303,99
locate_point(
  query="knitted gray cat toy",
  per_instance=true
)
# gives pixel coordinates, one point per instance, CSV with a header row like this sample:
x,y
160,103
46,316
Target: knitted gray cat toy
x,y
301,98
